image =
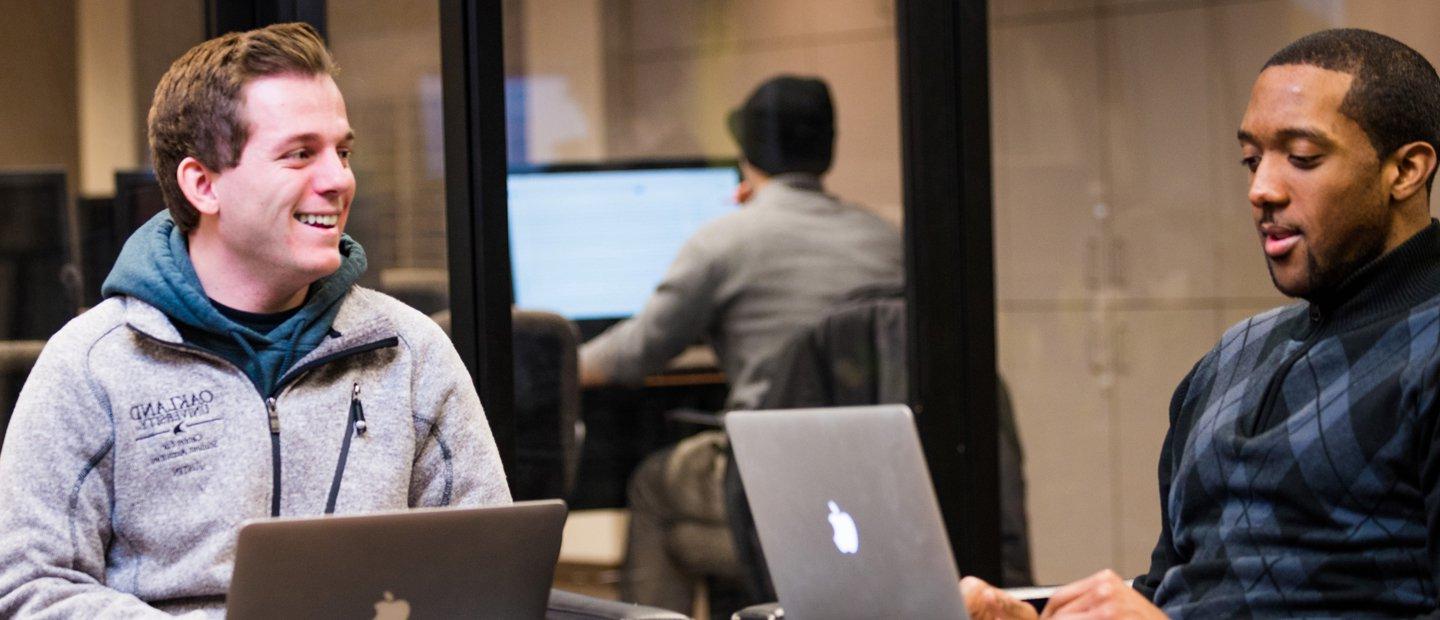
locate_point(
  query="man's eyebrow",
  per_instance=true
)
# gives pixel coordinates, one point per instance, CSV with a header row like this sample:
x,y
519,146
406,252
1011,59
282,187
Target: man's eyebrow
x,y
301,138
1290,134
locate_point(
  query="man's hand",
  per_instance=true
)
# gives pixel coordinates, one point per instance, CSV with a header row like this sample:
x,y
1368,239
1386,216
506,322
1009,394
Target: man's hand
x,y
743,192
1102,595
591,375
986,602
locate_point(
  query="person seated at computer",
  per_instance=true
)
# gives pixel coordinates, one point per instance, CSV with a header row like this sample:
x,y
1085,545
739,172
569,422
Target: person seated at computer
x,y
746,282
1301,472
234,370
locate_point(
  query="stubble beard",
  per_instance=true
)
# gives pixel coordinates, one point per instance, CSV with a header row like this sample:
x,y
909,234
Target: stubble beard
x,y
1323,278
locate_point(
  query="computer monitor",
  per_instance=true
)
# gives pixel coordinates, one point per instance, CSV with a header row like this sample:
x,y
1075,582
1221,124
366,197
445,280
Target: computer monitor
x,y
38,283
591,242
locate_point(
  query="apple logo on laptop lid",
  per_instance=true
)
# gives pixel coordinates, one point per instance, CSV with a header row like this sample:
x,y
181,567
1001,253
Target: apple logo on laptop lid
x,y
847,536
392,608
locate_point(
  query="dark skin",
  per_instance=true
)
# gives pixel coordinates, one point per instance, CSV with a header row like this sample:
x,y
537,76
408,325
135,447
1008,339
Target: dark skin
x,y
1324,204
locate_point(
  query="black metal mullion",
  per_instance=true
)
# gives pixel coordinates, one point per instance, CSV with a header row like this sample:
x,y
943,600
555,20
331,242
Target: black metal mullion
x,y
944,90
477,228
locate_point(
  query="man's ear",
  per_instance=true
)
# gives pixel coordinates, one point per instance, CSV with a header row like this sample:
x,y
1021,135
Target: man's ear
x,y
197,182
1414,163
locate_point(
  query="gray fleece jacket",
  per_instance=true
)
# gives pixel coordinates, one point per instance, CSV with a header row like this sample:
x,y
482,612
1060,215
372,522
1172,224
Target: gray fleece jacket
x,y
132,457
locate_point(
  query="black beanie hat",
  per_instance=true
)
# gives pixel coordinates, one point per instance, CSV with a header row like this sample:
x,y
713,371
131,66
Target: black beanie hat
x,y
787,125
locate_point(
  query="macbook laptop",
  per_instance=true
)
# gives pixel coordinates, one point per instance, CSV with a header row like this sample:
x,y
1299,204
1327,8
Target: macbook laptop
x,y
493,562
846,512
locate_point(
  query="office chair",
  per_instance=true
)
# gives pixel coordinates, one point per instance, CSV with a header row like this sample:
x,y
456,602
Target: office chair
x,y
16,359
548,433
39,280
424,289
547,404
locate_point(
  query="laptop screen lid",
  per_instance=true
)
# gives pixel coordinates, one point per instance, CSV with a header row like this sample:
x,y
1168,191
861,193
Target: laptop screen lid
x,y
846,512
495,562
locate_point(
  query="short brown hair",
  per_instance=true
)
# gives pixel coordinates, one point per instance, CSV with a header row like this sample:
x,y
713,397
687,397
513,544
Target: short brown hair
x,y
197,107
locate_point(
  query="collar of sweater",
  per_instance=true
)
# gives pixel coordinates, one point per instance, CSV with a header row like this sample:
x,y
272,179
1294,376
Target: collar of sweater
x,y
786,189
357,323
1395,282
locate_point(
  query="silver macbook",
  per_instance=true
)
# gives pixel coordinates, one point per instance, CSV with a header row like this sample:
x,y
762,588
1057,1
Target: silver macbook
x,y
425,563
846,512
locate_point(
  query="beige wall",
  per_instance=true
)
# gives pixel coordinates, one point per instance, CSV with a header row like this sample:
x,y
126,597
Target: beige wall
x,y
673,70
37,69
105,80
162,31
389,57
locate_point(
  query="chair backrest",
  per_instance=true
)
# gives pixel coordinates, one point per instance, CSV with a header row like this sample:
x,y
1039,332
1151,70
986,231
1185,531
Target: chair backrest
x,y
39,282
422,288
548,432
547,404
16,359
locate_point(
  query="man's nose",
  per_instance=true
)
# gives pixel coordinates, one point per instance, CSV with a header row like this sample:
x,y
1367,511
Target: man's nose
x,y
333,174
1267,184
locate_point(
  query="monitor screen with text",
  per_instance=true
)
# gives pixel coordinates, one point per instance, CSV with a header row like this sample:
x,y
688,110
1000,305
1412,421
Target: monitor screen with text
x,y
593,244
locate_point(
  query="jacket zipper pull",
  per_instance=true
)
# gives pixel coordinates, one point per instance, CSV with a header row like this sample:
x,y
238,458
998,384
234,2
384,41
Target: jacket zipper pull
x,y
357,411
274,416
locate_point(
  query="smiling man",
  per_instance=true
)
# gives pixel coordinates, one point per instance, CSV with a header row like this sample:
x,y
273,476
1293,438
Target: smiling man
x,y
235,370
1301,472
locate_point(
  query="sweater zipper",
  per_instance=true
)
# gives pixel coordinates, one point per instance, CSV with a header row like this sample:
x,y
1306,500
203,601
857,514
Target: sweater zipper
x,y
275,415
1277,381
272,410
355,425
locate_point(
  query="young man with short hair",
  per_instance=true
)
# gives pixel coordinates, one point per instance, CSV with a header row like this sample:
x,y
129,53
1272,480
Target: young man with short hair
x,y
235,370
1301,475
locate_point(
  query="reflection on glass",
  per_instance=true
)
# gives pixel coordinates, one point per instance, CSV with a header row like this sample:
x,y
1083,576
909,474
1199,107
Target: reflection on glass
x,y
78,81
389,57
593,84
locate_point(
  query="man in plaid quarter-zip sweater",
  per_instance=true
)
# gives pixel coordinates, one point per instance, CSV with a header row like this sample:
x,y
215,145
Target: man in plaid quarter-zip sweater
x,y
1300,474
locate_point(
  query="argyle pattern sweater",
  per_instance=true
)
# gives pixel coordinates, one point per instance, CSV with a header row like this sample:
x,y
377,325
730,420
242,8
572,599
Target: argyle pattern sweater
x,y
1301,474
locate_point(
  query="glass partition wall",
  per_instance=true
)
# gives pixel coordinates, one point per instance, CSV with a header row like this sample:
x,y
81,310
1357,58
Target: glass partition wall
x,y
77,77
594,87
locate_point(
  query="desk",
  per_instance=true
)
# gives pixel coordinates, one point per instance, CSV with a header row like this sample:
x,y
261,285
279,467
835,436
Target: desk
x,y
591,552
625,424
697,365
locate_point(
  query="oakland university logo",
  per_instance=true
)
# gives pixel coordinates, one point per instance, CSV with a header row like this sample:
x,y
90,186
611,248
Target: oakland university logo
x,y
174,414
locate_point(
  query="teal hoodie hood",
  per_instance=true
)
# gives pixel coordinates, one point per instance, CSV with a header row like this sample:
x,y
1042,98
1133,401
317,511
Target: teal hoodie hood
x,y
154,267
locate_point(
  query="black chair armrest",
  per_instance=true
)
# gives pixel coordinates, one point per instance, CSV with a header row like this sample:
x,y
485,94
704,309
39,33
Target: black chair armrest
x,y
571,606
763,611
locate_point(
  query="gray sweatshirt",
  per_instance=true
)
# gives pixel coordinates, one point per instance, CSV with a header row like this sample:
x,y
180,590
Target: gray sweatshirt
x,y
752,279
132,457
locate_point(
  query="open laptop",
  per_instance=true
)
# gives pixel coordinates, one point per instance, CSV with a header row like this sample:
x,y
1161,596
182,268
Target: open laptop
x,y
493,562
846,512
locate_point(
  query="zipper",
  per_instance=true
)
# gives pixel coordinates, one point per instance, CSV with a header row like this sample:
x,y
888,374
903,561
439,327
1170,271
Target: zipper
x,y
354,426
275,420
272,411
1277,381
274,415
357,412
